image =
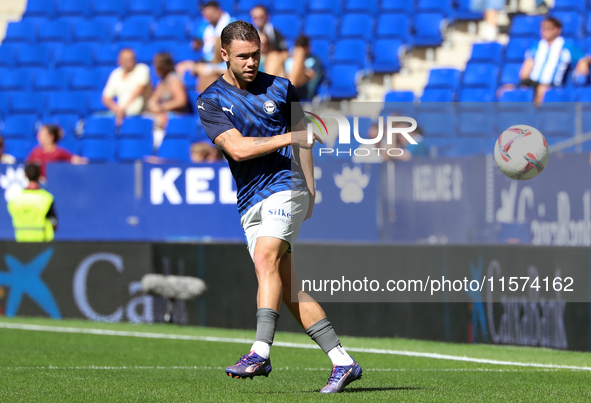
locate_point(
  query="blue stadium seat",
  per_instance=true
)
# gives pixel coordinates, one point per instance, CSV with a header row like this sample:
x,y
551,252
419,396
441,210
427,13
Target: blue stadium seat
x,y
115,8
172,28
145,53
76,55
399,103
15,80
395,26
98,149
569,5
19,148
50,80
189,8
28,103
325,6
190,81
137,127
20,32
343,81
129,149
67,103
244,6
40,8
572,23
290,25
144,7
54,31
480,76
437,95
106,55
70,21
5,101
397,6
431,123
490,52
386,55
93,31
465,13
95,103
477,95
583,94
443,7
73,7
510,73
526,26
321,49
100,127
34,56
320,26
183,51
358,26
184,128
23,126
289,7
67,122
177,149
361,6
136,28
399,96
87,80
476,123
556,119
8,55
559,95
519,95
516,49
444,78
350,51
428,28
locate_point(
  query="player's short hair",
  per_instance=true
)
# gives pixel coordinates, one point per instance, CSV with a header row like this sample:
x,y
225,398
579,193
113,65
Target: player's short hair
x,y
55,131
32,172
240,31
213,4
554,21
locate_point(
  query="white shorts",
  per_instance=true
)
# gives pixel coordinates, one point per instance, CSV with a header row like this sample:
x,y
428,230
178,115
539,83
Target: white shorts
x,y
279,216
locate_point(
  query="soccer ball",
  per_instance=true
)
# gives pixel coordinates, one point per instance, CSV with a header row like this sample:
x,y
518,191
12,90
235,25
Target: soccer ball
x,y
521,152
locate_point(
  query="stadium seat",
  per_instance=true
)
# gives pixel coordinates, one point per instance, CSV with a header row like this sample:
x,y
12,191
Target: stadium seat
x,y
86,80
28,103
129,149
20,32
386,55
19,148
137,127
398,103
40,8
569,5
510,73
115,8
428,29
477,95
172,28
73,8
559,95
465,13
5,101
23,126
350,51
519,95
395,26
34,56
361,6
572,23
400,96
480,76
54,31
67,122
183,51
291,25
98,149
50,80
244,6
516,49
437,95
444,78
288,7
136,28
67,103
321,49
93,31
476,123
443,7
190,81
15,80
357,26
8,55
177,149
106,55
95,103
431,123
181,128
397,6
343,81
188,8
526,26
320,26
144,7
75,55
99,127
490,52
325,6
583,94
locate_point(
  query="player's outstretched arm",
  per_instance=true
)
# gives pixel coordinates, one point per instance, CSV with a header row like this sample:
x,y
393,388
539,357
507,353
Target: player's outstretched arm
x,y
306,160
241,148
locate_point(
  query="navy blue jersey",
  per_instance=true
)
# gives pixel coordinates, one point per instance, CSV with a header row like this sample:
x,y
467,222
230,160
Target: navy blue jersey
x,y
263,109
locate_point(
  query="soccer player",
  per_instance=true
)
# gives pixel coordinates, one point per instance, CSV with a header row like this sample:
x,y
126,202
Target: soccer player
x,y
247,114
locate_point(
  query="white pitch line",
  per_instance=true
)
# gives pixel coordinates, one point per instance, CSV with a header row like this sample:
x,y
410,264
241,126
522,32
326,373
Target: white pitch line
x,y
436,356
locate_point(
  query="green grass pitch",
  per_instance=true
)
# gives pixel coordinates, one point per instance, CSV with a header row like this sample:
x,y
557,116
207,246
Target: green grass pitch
x,y
53,366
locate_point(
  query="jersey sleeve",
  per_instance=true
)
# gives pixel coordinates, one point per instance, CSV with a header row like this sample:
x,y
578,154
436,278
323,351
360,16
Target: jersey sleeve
x,y
293,109
213,119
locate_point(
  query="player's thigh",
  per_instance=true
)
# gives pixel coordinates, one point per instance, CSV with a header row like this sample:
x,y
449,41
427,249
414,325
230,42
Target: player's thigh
x,y
251,224
282,215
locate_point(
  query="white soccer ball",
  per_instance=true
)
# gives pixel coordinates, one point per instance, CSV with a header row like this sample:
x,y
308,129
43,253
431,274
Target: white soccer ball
x,y
521,152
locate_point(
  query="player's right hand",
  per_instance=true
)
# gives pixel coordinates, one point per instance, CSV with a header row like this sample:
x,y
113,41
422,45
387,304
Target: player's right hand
x,y
300,139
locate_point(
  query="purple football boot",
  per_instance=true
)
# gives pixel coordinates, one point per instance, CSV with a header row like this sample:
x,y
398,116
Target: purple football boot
x,y
341,376
249,366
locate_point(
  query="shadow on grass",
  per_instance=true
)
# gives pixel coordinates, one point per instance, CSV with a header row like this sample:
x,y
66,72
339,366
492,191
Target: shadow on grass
x,y
348,390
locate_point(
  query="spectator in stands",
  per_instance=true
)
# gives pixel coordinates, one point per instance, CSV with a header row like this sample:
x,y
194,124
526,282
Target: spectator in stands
x,y
211,67
303,69
549,61
489,29
205,152
169,98
48,150
215,154
276,51
5,158
271,62
129,84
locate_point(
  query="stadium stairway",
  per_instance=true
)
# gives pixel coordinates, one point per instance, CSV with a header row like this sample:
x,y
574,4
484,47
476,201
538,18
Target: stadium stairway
x,y
10,10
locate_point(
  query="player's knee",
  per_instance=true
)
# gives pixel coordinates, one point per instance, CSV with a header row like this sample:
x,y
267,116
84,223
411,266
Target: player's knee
x,y
265,262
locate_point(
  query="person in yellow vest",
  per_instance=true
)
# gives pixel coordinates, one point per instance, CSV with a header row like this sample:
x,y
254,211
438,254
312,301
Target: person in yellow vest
x,y
32,211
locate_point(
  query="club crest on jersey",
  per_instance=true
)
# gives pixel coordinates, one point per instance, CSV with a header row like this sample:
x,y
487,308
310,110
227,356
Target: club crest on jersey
x,y
269,107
